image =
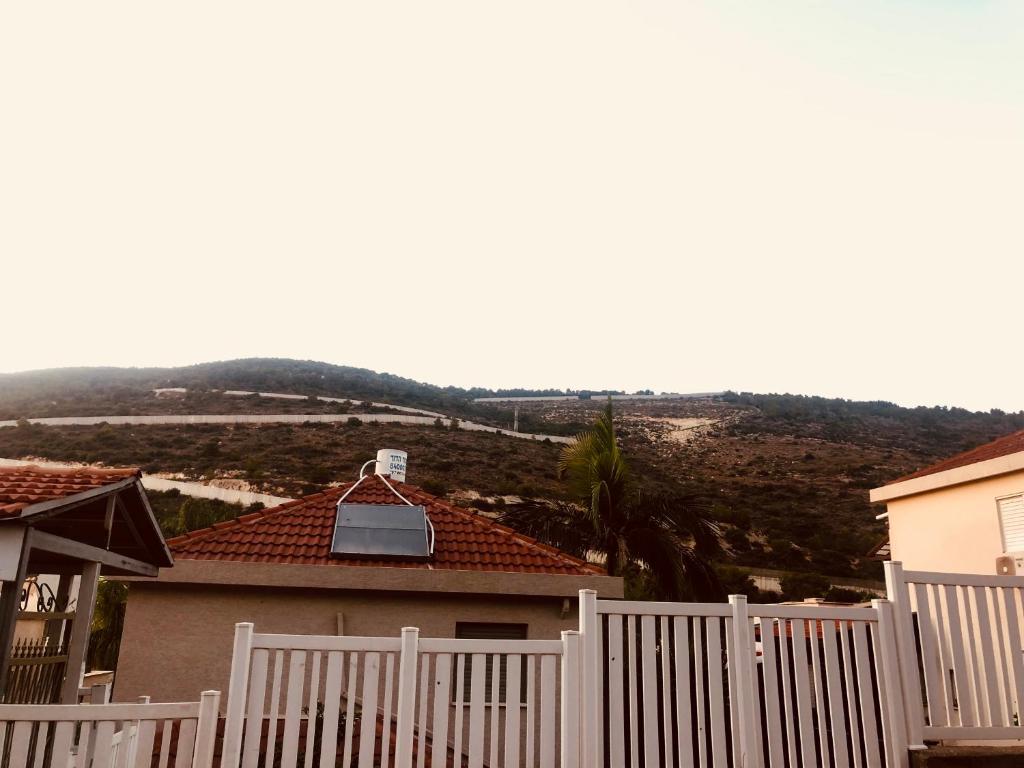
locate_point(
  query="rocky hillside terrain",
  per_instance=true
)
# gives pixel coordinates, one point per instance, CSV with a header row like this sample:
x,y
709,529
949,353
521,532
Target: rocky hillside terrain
x,y
786,476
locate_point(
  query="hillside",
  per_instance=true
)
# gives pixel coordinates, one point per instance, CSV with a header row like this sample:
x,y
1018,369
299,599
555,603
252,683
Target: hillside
x,y
787,476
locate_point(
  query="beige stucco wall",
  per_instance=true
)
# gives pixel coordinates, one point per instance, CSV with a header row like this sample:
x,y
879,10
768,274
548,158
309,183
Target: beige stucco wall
x,y
177,637
953,529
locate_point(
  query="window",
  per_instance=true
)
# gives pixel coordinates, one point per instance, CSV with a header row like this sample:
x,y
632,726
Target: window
x,y
472,630
1011,522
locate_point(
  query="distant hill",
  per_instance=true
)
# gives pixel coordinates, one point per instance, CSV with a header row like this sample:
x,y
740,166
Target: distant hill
x,y
117,391
33,393
787,475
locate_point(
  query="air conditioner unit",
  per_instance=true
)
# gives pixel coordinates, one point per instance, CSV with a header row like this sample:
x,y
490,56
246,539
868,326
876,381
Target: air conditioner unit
x,y
1010,564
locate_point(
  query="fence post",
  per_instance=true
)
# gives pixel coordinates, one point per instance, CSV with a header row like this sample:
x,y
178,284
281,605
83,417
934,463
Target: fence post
x,y
590,737
895,719
237,688
742,666
903,624
406,697
99,693
570,699
206,730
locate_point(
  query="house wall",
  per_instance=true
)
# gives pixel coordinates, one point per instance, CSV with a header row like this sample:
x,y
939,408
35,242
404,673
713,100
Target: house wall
x,y
953,529
177,639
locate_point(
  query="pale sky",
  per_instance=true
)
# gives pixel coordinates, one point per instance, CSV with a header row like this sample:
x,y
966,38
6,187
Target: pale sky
x,y
814,197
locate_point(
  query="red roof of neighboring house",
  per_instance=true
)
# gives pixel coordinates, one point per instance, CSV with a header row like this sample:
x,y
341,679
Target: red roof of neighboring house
x,y
1004,446
21,487
819,627
301,532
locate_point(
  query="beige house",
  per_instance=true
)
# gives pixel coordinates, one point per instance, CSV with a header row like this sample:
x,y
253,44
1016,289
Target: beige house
x,y
290,570
961,515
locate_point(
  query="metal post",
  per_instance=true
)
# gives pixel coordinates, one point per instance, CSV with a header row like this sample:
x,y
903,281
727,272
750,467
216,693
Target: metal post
x,y
406,697
742,666
570,699
903,624
590,662
81,626
206,729
237,688
894,721
10,601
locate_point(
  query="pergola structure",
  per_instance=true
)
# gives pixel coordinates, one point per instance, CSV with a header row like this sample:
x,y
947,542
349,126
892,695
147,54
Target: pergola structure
x,y
62,524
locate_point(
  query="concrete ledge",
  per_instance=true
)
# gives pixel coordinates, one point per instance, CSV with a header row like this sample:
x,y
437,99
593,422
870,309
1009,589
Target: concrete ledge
x,y
386,579
968,757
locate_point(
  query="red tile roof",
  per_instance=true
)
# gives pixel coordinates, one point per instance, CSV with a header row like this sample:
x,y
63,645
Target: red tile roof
x,y
819,627
301,532
21,487
1004,446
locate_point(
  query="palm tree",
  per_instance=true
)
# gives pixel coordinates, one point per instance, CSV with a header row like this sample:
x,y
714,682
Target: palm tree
x,y
107,624
655,539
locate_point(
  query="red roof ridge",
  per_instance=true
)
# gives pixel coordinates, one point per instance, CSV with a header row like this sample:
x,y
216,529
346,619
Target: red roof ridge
x,y
1002,446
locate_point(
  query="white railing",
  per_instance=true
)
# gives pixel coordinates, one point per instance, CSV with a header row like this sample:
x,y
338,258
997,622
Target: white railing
x,y
109,735
298,700
496,701
642,684
961,643
739,685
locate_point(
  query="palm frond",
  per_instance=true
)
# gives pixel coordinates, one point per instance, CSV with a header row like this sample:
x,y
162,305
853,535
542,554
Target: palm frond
x,y
677,570
595,469
561,525
683,516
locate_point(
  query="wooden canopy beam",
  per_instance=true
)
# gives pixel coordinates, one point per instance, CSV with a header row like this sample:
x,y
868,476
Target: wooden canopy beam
x,y
58,545
10,601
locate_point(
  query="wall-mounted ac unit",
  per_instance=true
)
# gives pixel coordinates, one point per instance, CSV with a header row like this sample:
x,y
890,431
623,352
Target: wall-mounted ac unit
x,y
1010,564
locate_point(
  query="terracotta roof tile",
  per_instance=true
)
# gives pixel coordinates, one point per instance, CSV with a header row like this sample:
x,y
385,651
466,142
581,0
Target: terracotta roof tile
x,y
301,531
21,487
1004,446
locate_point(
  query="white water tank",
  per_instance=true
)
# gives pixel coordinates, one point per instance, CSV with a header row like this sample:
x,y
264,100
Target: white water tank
x,y
391,462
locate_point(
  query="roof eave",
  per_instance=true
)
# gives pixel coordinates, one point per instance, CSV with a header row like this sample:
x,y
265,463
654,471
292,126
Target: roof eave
x,y
160,555
969,473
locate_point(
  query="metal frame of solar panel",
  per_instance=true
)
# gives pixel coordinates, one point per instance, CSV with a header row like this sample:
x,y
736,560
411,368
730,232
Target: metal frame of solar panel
x,y
381,531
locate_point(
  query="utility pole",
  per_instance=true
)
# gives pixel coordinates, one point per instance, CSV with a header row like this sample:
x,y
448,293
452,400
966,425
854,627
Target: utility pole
x,y
515,423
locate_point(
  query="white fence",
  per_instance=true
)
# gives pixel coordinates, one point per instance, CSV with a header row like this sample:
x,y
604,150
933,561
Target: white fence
x,y
647,684
308,700
109,735
641,685
962,635
697,684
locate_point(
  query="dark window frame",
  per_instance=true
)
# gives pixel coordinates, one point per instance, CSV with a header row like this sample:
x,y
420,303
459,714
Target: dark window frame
x,y
489,630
